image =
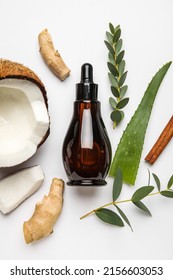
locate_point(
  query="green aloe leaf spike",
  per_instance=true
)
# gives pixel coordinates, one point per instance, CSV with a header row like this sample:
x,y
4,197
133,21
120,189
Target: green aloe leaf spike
x,y
128,154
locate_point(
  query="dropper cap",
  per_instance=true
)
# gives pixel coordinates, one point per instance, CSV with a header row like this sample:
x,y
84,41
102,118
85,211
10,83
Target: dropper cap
x,y
86,89
86,73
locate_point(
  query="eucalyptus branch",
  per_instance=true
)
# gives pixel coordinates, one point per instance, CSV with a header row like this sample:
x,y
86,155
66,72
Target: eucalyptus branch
x,y
117,74
112,203
111,217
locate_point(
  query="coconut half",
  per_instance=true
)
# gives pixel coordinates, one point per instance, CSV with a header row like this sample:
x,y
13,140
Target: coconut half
x,y
24,118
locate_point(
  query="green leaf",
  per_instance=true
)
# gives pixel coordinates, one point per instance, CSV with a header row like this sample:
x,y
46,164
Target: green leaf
x,y
112,102
170,182
123,91
109,217
142,206
111,58
167,193
115,92
111,27
141,193
128,154
118,46
117,36
113,80
123,216
116,28
122,79
117,185
113,69
122,114
121,67
157,181
110,48
109,37
120,57
122,103
116,116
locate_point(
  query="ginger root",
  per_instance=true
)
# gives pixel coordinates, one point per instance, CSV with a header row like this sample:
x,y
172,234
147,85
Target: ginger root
x,y
46,213
52,57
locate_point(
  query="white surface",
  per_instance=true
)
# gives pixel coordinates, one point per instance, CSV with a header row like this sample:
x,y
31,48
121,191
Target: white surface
x,y
78,30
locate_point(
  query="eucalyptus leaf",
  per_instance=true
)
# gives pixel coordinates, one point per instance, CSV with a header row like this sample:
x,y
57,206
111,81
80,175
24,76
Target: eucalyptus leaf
x,y
110,48
122,103
112,69
141,193
116,28
111,27
157,181
117,185
113,80
118,46
170,182
121,67
111,58
142,206
108,216
123,91
116,116
122,114
122,214
117,36
120,57
122,79
115,92
109,37
112,102
167,193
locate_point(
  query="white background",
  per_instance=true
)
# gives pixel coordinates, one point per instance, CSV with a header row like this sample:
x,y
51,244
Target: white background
x,y
78,31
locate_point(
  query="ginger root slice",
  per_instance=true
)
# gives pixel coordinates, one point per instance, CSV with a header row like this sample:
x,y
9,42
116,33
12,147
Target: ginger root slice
x,y
52,57
46,213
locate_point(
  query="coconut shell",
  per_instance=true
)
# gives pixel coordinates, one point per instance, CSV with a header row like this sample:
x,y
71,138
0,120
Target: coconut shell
x,y
9,69
15,70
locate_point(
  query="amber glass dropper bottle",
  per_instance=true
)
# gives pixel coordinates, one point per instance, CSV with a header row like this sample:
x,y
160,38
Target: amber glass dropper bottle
x,y
86,147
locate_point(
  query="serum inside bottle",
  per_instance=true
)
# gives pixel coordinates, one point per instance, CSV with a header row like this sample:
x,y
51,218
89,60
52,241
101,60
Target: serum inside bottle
x,y
86,148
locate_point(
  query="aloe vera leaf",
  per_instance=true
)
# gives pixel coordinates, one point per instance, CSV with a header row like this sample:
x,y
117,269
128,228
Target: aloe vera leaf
x,y
129,150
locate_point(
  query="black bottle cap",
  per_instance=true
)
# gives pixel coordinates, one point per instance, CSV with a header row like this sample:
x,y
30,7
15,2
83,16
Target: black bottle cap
x,y
86,89
86,73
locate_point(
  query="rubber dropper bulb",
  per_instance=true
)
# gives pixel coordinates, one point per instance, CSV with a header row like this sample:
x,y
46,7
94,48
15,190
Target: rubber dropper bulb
x,y
87,73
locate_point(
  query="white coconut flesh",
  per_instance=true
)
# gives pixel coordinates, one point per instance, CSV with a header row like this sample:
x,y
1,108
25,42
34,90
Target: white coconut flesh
x,y
24,120
15,188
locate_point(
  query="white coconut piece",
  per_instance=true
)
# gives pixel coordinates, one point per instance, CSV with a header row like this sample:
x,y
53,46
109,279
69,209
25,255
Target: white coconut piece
x,y
24,120
15,188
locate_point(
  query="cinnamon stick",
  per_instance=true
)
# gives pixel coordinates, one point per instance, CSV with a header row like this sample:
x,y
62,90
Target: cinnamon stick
x,y
161,143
